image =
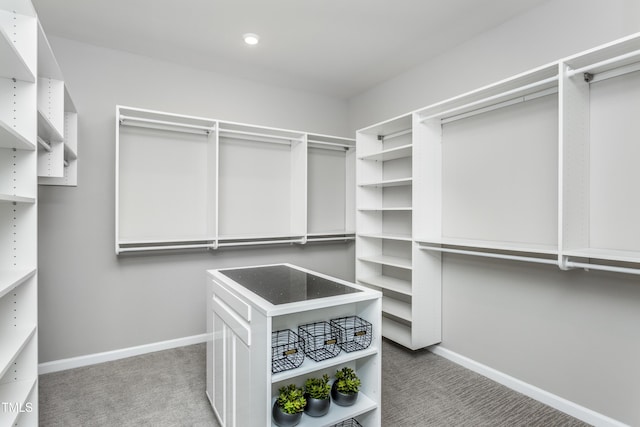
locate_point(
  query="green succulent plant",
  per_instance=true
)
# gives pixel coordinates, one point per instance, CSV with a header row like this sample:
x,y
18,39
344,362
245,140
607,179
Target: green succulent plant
x,y
291,399
317,388
347,382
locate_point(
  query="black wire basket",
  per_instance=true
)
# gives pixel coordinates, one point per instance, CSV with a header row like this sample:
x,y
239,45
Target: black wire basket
x,y
354,333
320,340
351,422
287,350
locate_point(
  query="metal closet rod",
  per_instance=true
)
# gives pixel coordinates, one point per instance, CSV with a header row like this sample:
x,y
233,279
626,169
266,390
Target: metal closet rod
x,y
452,111
604,63
490,255
269,137
499,105
166,247
44,144
616,72
395,134
160,123
587,266
334,144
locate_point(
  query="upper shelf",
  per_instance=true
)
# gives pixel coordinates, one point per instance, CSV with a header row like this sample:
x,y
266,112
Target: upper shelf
x,y
8,198
388,183
46,129
13,64
521,87
390,154
47,63
9,138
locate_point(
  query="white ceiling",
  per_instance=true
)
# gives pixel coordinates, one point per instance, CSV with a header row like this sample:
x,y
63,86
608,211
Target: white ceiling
x,y
336,47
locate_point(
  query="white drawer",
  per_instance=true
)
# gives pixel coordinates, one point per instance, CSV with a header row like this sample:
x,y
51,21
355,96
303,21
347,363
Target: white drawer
x,y
231,319
241,307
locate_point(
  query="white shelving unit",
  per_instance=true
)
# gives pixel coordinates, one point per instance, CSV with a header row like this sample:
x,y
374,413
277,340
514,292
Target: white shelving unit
x,y
240,384
539,167
390,178
598,216
57,122
262,184
486,150
330,188
231,184
18,214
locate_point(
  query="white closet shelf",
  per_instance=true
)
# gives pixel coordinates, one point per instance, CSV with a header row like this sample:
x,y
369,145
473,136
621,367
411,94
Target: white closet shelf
x,y
391,261
400,333
397,308
616,54
521,85
9,138
388,183
387,236
9,198
391,283
10,279
16,392
69,153
14,341
46,129
308,365
13,65
387,209
338,413
47,63
390,154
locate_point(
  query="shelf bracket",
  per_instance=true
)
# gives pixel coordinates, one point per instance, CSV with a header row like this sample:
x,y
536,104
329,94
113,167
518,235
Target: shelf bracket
x,y
588,77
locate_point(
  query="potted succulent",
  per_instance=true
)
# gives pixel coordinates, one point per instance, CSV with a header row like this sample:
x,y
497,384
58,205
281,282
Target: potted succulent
x,y
288,407
344,390
316,391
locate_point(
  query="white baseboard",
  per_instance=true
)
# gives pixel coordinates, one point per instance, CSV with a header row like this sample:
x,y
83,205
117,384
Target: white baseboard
x,y
107,356
557,402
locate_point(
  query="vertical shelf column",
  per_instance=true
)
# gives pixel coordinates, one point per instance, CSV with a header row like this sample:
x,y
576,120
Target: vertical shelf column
x,y
18,214
392,175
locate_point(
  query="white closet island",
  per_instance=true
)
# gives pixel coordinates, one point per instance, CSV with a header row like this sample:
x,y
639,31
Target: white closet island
x,y
247,307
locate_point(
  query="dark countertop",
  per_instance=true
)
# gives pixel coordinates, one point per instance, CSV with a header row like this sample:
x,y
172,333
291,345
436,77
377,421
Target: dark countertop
x,y
281,284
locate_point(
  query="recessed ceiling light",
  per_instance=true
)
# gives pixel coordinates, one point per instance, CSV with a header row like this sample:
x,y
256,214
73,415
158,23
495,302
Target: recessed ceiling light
x,y
251,38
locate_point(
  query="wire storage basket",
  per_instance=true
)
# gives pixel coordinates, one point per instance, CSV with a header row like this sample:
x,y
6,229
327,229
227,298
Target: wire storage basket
x,y
287,350
320,340
351,422
354,333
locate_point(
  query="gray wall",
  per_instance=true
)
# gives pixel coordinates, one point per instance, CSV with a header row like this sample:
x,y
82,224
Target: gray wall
x,y
574,334
91,300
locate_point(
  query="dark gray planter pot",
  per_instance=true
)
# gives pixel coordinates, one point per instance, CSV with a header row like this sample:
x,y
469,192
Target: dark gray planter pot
x,y
342,399
317,407
283,419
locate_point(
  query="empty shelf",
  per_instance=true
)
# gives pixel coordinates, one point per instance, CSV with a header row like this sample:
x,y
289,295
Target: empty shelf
x,y
397,308
387,236
388,260
8,198
386,282
389,183
10,138
390,154
13,65
9,279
